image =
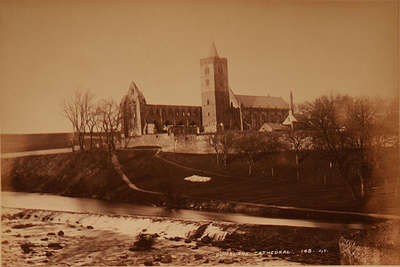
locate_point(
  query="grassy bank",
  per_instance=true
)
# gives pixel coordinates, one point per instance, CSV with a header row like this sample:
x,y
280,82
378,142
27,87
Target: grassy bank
x,y
319,187
88,174
153,173
91,174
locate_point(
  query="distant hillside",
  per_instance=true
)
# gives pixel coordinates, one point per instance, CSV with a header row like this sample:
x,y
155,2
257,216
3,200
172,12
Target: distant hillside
x,y
28,142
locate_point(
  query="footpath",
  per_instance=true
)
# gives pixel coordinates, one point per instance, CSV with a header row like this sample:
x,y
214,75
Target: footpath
x,y
36,153
118,169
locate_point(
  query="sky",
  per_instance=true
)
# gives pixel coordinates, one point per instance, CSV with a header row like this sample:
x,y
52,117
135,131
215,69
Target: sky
x,y
50,48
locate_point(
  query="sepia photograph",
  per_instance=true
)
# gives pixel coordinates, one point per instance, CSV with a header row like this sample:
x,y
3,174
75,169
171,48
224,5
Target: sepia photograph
x,y
199,133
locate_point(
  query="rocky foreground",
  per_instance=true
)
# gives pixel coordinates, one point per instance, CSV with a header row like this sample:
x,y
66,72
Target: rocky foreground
x,y
36,237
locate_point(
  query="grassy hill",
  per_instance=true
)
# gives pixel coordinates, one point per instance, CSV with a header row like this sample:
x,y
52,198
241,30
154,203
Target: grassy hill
x,y
319,187
153,173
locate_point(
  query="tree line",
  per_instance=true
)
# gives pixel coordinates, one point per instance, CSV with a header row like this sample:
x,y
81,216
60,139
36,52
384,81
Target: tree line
x,y
96,124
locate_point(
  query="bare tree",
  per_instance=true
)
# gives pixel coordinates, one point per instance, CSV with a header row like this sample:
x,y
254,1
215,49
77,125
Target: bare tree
x,y
109,119
251,143
76,110
387,127
214,142
359,124
223,143
227,141
329,137
343,132
387,133
92,123
301,144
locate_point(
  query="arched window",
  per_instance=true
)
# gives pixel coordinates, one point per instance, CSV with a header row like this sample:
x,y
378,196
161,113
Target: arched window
x,y
206,70
208,102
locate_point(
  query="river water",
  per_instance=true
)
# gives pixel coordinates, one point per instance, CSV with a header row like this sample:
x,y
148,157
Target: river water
x,y
85,205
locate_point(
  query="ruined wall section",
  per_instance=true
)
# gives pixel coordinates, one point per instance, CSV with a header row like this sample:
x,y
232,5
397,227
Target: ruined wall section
x,y
163,115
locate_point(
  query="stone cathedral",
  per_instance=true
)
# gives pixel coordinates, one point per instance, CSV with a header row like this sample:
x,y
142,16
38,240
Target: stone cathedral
x,y
221,109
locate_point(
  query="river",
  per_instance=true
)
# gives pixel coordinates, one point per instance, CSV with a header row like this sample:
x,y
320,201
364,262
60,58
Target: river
x,y
94,206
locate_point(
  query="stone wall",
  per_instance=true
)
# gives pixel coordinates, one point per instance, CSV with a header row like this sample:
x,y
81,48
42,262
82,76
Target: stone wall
x,y
197,144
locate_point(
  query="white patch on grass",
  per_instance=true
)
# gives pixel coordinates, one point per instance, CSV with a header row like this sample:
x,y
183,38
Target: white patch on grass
x,y
197,179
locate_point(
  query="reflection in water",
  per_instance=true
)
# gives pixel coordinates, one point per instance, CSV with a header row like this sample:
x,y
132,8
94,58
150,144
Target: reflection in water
x,y
85,205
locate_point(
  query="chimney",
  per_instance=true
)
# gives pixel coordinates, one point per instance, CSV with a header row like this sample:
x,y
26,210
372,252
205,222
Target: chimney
x,y
291,101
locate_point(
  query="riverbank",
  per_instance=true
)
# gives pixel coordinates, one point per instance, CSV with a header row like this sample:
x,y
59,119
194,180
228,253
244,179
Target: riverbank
x,y
66,238
87,174
92,175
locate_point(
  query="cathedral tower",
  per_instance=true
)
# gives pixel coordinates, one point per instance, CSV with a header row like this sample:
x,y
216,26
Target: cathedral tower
x,y
214,91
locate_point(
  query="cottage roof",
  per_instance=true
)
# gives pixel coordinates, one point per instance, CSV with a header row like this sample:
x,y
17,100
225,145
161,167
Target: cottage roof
x,y
262,101
289,119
